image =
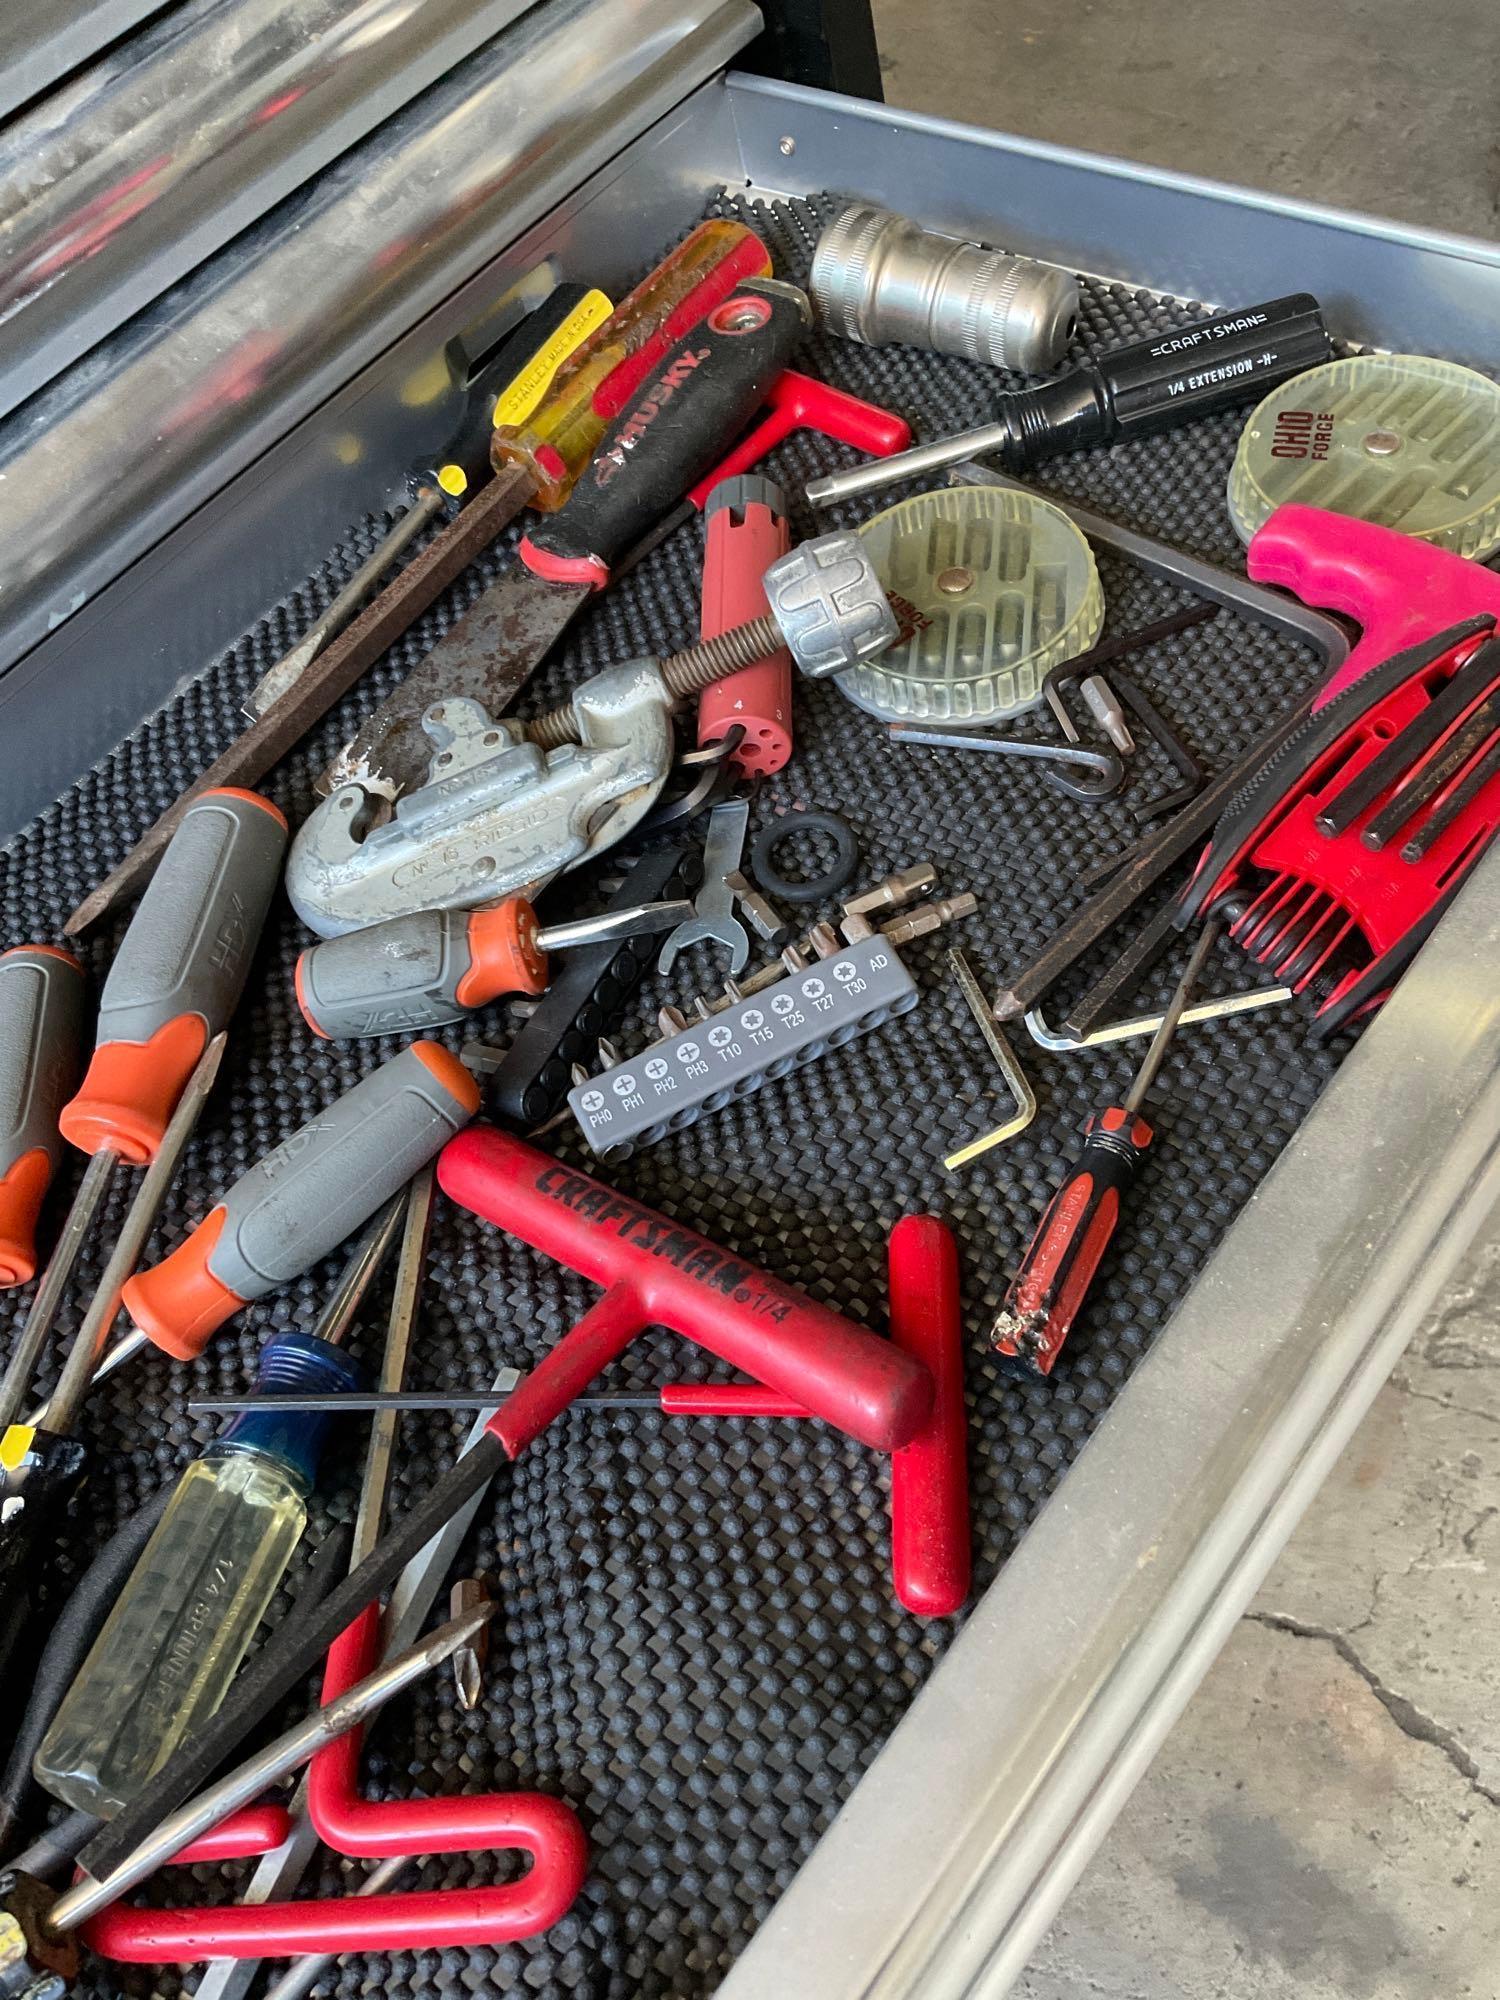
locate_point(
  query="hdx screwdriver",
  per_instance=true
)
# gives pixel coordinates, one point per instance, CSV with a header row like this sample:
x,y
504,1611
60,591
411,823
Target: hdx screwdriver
x,y
433,966
174,983
1146,386
41,1056
304,1197
188,1612
1045,1295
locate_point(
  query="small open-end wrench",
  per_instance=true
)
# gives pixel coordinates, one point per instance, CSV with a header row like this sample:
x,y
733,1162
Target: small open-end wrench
x,y
713,920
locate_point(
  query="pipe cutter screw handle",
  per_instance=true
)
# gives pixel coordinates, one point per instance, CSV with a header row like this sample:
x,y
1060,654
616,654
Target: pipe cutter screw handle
x,y
827,609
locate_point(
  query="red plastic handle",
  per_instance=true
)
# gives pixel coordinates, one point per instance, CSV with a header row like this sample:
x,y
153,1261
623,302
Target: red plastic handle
x,y
727,1399
252,1830
661,1273
930,1537
741,543
797,402
546,1828
1398,590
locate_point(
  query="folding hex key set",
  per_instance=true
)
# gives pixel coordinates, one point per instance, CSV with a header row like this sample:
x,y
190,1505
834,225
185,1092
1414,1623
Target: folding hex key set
x,y
446,862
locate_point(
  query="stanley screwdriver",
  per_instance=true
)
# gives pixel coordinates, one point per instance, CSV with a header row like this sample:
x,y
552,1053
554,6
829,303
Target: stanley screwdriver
x,y
1044,1297
190,1608
174,983
437,965
445,479
1150,385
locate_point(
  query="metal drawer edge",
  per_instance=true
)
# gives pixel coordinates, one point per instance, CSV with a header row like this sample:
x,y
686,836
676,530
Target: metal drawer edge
x,y
122,447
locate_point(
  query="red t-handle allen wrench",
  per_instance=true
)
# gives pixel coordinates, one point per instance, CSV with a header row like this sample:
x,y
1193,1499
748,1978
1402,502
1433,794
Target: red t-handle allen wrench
x,y
796,402
659,1273
424,1919
930,1559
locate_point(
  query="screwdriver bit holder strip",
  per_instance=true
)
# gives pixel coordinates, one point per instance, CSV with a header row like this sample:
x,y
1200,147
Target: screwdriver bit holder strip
x,y
670,1085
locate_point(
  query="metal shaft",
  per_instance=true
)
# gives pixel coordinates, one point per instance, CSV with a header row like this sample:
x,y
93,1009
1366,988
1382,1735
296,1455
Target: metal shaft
x,y
642,920
341,1307
878,473
1152,1060
288,670
303,1974
74,1234
284,1753
403,1318
361,1401
684,673
78,1372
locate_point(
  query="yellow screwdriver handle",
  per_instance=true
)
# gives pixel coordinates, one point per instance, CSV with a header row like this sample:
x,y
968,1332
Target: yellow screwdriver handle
x,y
557,441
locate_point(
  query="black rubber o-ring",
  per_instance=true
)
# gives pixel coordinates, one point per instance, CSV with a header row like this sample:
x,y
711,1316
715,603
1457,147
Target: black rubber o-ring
x,y
829,883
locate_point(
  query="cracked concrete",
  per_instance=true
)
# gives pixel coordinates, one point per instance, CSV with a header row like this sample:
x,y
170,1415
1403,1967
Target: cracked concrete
x,y
1324,1822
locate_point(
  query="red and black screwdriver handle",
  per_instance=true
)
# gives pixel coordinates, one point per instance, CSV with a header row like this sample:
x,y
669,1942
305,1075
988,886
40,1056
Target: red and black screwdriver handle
x,y
1059,1266
675,429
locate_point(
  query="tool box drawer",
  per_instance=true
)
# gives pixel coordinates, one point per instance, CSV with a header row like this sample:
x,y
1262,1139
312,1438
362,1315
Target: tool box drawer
x,y
789,1784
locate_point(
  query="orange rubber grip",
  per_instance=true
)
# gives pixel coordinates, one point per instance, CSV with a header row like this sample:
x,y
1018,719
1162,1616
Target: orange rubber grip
x,y
504,954
131,1091
22,1192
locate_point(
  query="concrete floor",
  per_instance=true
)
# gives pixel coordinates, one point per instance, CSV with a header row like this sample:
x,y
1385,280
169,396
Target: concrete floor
x,y
1324,1823
1345,103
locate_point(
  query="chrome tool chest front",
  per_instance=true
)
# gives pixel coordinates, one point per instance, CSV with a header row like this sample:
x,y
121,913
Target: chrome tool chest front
x,y
788,1783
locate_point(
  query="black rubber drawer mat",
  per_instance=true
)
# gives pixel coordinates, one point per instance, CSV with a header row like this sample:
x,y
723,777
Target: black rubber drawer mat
x,y
698,1646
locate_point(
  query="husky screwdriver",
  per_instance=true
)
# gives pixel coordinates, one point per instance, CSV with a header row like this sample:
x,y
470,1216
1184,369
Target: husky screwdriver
x,y
1151,385
1058,1268
433,966
174,983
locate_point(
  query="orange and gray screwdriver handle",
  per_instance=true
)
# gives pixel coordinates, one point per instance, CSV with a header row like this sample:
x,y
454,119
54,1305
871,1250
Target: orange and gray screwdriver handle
x,y
1044,1297
420,970
179,972
41,1054
305,1197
